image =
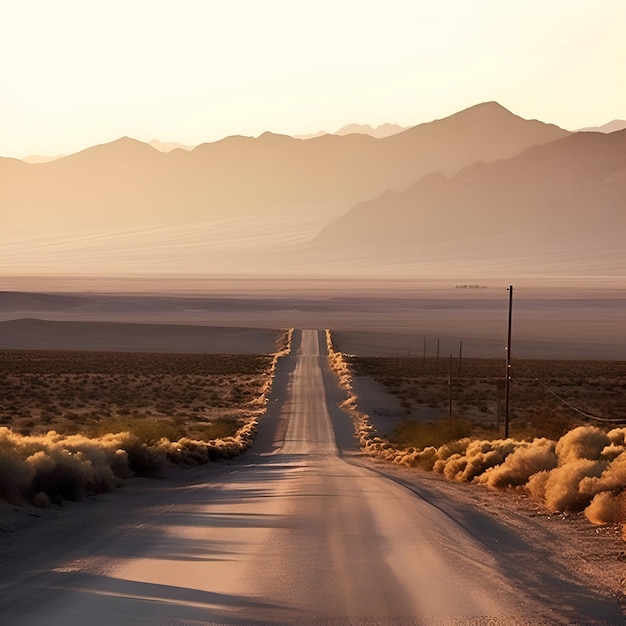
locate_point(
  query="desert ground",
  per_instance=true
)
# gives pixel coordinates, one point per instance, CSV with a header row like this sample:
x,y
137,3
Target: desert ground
x,y
582,328
548,397
92,393
507,522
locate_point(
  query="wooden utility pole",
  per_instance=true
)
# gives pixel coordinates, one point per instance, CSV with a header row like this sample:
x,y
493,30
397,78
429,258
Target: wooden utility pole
x,y
507,377
450,390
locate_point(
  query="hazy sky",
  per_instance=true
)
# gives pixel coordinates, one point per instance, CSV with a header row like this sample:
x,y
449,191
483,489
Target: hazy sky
x,y
80,72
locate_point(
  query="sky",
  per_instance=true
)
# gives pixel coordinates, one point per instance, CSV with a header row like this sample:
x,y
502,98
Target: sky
x,y
76,73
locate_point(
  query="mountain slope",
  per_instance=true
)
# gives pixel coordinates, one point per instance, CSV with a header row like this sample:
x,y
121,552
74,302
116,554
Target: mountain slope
x,y
128,184
609,127
384,130
560,203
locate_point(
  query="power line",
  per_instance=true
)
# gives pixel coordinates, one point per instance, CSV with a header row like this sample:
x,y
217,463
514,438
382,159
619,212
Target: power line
x,y
608,420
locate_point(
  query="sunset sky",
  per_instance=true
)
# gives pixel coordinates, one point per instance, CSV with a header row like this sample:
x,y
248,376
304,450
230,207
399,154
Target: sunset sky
x,y
77,73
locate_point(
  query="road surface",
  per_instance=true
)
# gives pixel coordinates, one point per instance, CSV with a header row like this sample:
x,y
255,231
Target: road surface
x,y
294,531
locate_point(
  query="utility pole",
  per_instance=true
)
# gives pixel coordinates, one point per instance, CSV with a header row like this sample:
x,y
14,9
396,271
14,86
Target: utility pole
x,y
450,389
507,377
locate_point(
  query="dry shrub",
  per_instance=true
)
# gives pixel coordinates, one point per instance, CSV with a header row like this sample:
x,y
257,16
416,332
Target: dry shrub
x,y
479,463
453,448
189,451
143,459
606,508
612,452
612,478
60,474
559,488
584,442
40,500
617,436
537,485
16,475
419,458
185,451
525,461
465,460
51,467
566,475
106,454
451,467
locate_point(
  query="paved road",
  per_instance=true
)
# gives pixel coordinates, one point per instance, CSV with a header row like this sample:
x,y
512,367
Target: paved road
x,y
292,531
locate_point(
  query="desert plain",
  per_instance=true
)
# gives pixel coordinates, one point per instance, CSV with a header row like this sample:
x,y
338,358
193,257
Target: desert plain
x,y
554,319
147,334
254,370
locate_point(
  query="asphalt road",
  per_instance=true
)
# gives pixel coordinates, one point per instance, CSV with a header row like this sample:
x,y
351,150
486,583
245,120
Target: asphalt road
x,y
294,531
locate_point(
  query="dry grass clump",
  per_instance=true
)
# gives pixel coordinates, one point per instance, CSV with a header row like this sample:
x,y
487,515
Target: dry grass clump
x,y
585,469
51,467
607,508
525,460
40,468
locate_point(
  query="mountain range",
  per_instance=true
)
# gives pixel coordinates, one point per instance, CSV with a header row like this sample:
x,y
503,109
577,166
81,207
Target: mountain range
x,y
609,127
562,202
480,188
127,183
384,130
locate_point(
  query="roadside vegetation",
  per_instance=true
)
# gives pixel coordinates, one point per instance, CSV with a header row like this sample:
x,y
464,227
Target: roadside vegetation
x,y
77,423
555,453
548,397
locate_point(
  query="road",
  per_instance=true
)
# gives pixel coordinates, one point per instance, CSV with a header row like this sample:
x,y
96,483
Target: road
x,y
294,530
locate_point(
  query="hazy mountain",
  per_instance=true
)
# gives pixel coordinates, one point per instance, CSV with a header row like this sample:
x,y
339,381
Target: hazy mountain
x,y
557,206
161,146
319,133
168,146
610,127
384,130
38,158
127,184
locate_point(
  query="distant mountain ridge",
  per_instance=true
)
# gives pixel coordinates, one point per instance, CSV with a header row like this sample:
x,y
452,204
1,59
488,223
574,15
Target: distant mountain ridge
x,y
480,193
129,184
39,158
168,146
609,127
383,130
559,204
